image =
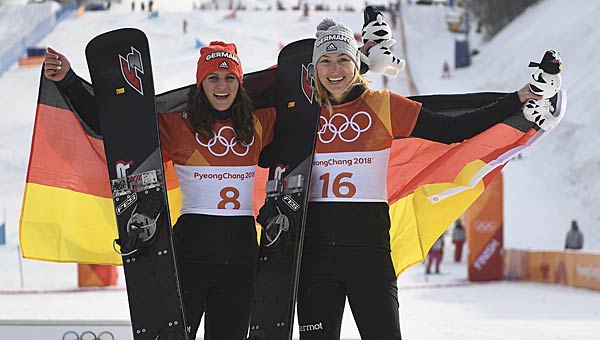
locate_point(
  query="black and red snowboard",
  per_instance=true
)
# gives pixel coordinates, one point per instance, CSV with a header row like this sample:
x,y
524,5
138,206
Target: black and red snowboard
x,y
289,158
121,72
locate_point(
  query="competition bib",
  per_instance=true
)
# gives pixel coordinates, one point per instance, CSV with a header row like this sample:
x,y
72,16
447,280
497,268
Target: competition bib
x,y
217,190
349,176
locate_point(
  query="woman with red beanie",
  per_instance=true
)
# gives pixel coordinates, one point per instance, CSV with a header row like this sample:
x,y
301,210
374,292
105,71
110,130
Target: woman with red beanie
x,y
215,143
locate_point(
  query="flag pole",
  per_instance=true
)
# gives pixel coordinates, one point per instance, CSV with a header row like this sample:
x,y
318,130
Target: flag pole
x,y
18,254
20,265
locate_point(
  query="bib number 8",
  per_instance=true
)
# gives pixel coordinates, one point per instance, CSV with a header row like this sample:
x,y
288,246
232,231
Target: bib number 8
x,y
229,195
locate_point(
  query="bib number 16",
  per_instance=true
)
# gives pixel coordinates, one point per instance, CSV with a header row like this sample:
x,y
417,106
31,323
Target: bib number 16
x,y
341,187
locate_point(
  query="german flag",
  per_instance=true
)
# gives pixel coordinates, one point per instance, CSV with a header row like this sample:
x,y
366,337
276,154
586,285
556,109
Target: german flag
x,y
68,214
431,184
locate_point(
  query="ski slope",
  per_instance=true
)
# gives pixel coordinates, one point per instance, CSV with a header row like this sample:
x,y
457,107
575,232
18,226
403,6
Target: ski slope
x,y
553,183
556,180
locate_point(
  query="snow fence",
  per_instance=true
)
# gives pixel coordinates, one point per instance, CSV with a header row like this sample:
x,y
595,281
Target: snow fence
x,y
26,25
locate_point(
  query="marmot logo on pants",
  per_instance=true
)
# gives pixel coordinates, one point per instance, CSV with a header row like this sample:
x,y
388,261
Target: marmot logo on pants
x,y
310,328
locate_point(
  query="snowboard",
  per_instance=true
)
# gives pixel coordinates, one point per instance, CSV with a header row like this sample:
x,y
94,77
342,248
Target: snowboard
x,y
289,157
121,73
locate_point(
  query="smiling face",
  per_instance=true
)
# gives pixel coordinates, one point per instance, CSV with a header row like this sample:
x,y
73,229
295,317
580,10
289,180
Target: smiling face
x,y
336,72
221,88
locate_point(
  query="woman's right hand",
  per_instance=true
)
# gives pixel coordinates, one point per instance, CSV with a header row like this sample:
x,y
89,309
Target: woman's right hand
x,y
56,65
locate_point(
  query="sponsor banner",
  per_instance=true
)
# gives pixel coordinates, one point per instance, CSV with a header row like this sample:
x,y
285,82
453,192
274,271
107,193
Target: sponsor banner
x,y
579,270
516,264
66,329
484,234
547,267
96,275
585,270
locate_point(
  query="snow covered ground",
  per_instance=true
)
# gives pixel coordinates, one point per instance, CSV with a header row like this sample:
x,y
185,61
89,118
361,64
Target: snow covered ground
x,y
432,307
554,182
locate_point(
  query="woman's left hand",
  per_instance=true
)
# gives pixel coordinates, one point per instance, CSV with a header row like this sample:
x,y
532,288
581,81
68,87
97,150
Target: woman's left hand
x,y
525,94
366,47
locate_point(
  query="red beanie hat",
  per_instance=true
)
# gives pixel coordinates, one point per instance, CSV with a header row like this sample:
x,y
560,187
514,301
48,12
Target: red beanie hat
x,y
218,56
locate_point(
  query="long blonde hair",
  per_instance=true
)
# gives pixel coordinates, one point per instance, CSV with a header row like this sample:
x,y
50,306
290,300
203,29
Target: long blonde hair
x,y
323,95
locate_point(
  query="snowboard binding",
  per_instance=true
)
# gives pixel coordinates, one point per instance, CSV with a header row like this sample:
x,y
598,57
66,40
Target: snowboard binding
x,y
276,226
141,226
278,216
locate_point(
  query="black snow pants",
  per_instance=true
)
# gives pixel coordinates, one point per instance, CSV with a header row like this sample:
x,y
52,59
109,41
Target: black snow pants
x,y
216,257
365,275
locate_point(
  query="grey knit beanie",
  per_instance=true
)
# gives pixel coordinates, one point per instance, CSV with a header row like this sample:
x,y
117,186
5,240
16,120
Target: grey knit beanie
x,y
333,36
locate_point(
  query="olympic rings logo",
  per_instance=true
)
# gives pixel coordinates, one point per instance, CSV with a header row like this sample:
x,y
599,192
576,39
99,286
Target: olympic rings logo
x,y
227,144
485,226
88,335
346,125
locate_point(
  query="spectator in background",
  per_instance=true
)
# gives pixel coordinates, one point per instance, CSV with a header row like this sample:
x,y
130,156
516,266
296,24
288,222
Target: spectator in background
x,y
435,254
445,70
574,237
459,235
393,16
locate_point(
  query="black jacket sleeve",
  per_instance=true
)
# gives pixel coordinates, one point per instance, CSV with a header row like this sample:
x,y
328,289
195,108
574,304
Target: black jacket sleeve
x,y
452,129
83,101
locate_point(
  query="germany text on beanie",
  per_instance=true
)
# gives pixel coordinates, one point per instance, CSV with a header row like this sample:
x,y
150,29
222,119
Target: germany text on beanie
x,y
218,56
335,37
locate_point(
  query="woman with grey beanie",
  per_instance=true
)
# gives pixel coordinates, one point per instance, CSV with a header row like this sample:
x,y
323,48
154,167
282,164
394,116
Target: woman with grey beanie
x,y
347,241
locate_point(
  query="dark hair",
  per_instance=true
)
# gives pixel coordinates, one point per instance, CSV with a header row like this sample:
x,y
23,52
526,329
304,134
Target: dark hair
x,y
199,114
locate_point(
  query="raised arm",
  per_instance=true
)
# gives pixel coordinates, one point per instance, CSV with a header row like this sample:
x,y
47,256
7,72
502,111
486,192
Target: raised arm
x,y
58,69
451,129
